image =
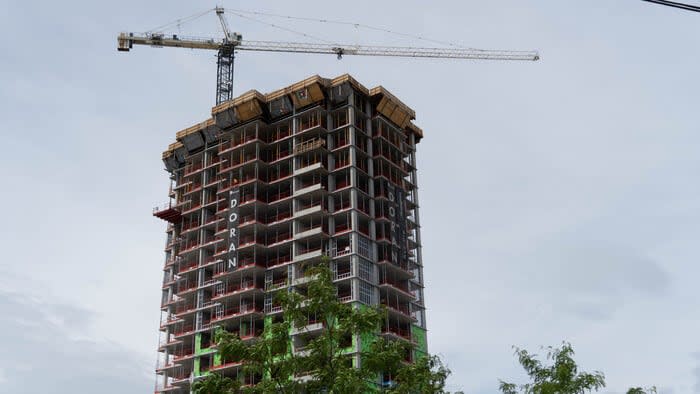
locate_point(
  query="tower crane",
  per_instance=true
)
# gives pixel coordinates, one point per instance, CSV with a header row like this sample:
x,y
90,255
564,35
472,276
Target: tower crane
x,y
233,42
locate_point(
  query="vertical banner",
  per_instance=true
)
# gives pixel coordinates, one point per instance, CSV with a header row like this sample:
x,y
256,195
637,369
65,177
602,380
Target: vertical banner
x,y
397,214
232,218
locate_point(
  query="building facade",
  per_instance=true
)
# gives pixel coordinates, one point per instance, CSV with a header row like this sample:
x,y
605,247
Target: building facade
x,y
272,183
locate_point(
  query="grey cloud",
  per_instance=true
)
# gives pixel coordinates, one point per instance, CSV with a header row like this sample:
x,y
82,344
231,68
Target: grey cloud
x,y
591,279
43,352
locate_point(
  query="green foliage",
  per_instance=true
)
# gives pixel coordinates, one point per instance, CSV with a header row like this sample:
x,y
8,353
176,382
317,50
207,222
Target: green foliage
x,y
215,383
562,377
329,366
268,356
427,375
639,390
325,358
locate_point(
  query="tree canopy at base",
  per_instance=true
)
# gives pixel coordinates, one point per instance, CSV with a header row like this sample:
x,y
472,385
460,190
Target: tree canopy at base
x,y
325,363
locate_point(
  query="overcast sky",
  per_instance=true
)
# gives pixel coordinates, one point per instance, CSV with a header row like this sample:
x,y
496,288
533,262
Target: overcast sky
x,y
559,199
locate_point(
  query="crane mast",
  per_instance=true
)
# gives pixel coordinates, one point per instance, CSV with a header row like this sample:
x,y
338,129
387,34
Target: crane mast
x,y
232,42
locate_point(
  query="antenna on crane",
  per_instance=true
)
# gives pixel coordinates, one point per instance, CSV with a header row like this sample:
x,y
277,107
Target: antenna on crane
x,y
233,42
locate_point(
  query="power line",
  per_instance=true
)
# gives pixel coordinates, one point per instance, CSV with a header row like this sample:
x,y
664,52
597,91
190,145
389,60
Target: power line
x,y
687,7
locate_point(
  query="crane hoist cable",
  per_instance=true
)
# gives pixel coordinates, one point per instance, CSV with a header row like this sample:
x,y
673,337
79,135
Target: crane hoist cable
x,y
348,23
283,28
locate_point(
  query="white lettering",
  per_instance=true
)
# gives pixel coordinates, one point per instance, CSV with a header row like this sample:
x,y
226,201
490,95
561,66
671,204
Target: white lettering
x,y
232,262
233,217
232,233
392,212
234,202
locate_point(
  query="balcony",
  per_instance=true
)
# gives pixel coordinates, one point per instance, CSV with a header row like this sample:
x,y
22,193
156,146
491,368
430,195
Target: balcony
x,y
276,284
187,267
310,210
313,232
318,166
238,142
278,217
401,287
308,254
277,239
169,212
307,329
233,312
233,289
309,145
314,187
193,168
279,261
279,196
397,332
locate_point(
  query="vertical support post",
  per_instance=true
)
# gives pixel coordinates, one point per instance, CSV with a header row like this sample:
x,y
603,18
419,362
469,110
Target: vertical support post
x,y
224,74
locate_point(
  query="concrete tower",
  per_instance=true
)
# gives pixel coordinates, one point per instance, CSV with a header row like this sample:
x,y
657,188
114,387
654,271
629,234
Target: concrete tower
x,y
272,183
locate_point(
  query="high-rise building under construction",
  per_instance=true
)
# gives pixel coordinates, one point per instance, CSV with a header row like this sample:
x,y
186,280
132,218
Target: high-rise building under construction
x,y
272,183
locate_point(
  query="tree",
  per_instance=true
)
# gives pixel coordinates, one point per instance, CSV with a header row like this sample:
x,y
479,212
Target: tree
x,y
325,360
562,377
427,375
215,383
269,356
639,390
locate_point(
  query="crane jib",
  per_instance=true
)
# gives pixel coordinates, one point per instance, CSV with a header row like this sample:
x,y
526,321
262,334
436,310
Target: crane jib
x,y
127,40
234,41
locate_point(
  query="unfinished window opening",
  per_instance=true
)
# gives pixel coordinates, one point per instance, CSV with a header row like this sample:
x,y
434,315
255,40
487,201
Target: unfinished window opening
x,y
309,180
279,234
310,201
310,158
362,183
279,256
363,204
279,171
364,247
340,117
342,245
341,138
342,159
343,269
366,270
312,223
343,222
342,201
360,102
309,246
311,119
342,179
279,191
366,293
